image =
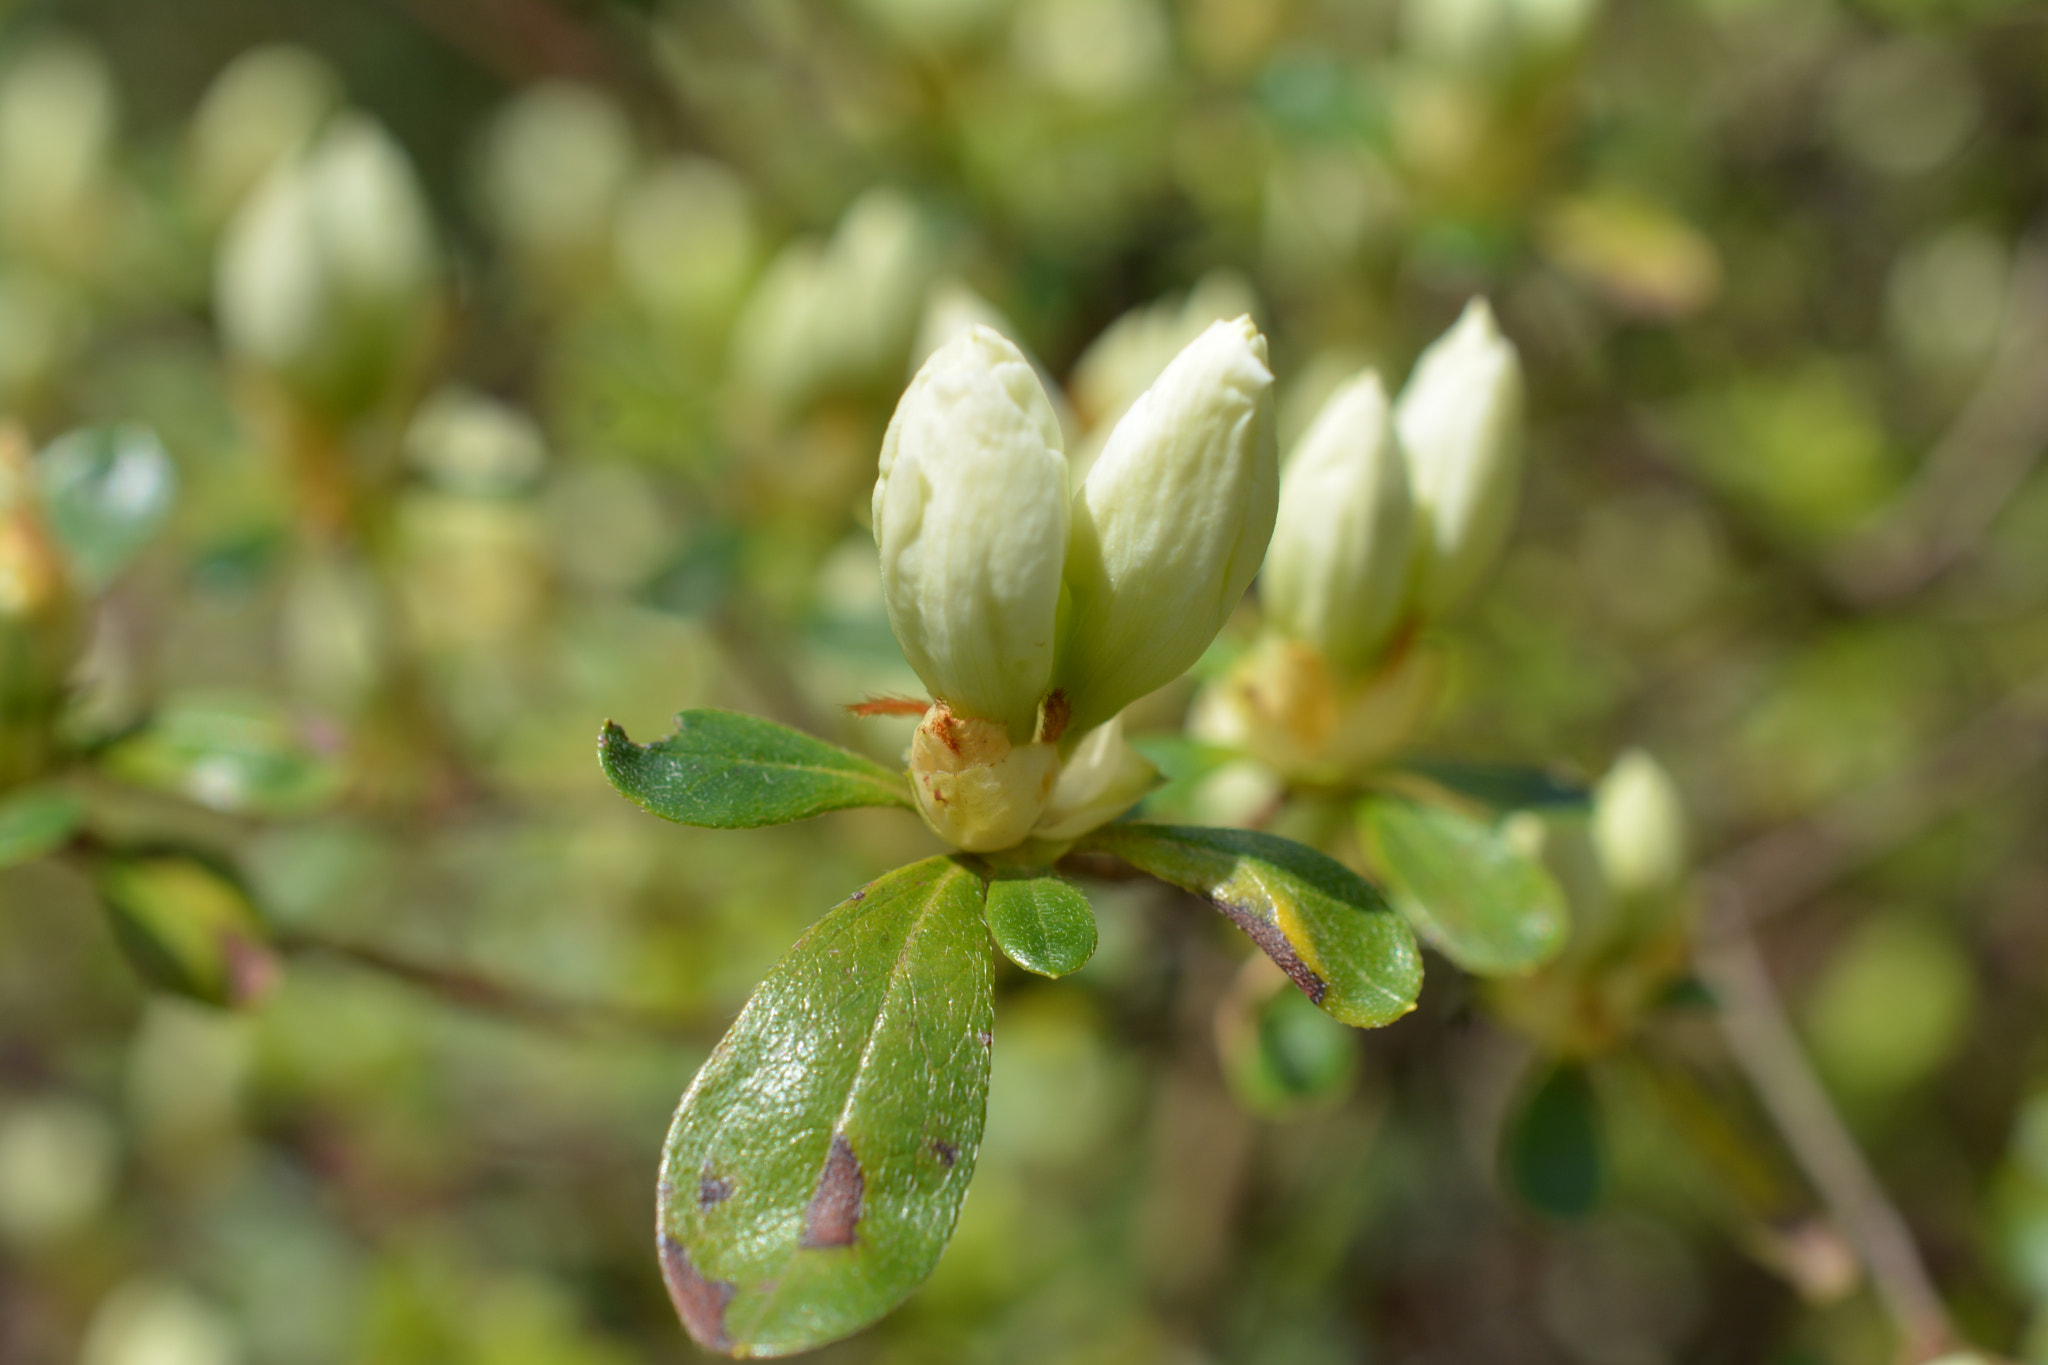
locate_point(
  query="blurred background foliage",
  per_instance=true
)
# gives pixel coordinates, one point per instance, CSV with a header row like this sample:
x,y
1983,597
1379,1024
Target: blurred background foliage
x,y
613,301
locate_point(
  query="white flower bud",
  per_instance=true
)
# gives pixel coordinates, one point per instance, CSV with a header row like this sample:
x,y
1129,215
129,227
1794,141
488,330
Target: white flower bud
x,y
1281,705
1337,574
970,516
554,163
1460,423
1639,827
1171,523
976,789
1101,779
263,107
327,275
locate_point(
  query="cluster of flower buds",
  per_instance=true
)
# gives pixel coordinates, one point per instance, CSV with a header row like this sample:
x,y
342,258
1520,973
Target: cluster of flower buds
x,y
40,620
1391,514
328,282
1035,611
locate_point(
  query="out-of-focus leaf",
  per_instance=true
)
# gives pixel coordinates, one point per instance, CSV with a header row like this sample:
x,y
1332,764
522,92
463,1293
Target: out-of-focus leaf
x,y
723,770
1503,786
35,822
107,490
1041,921
1321,923
1490,906
817,1164
187,925
241,754
701,575
1551,1150
1281,1054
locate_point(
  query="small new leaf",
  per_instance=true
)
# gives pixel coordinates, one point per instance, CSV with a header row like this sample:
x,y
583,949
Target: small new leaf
x,y
1491,907
1041,921
1551,1150
816,1166
187,925
723,770
1320,922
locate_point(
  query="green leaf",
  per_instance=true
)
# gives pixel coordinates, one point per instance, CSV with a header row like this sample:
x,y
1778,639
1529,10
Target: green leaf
x,y
1284,1056
1503,786
817,1164
187,924
723,770
241,754
1552,1153
1320,922
35,822
1489,906
1041,921
107,490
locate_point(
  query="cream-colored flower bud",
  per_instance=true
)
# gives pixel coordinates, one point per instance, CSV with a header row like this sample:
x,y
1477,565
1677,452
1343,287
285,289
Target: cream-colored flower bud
x,y
262,108
976,789
1171,523
1101,779
554,163
327,276
1343,542
59,114
970,516
1460,423
1281,704
1639,827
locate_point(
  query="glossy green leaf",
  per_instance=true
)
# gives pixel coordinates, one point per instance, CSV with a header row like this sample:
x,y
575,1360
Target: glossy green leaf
x,y
1503,786
723,770
107,489
241,754
817,1164
1320,922
35,822
1041,921
187,925
1552,1154
1490,906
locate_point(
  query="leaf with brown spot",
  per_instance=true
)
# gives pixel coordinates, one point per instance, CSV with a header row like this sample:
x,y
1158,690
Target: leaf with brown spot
x,y
1320,922
836,1123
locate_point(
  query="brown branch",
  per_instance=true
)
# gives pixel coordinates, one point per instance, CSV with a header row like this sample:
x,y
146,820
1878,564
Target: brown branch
x,y
472,991
1752,1019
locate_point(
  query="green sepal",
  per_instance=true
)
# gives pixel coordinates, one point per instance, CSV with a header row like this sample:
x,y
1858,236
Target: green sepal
x,y
1489,906
816,1165
723,770
1041,921
187,924
1320,922
36,821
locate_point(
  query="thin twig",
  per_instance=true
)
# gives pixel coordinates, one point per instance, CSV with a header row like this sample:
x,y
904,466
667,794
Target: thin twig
x,y
1752,1018
469,990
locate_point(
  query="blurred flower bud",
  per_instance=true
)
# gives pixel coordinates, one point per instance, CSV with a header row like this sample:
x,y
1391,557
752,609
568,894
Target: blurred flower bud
x,y
1132,351
553,166
1639,827
261,109
1282,705
836,316
327,277
1101,779
1337,574
58,116
685,241
1171,523
1460,424
40,624
970,515
976,789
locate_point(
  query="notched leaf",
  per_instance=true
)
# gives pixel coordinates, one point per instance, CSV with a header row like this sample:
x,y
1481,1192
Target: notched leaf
x,y
723,770
1321,923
